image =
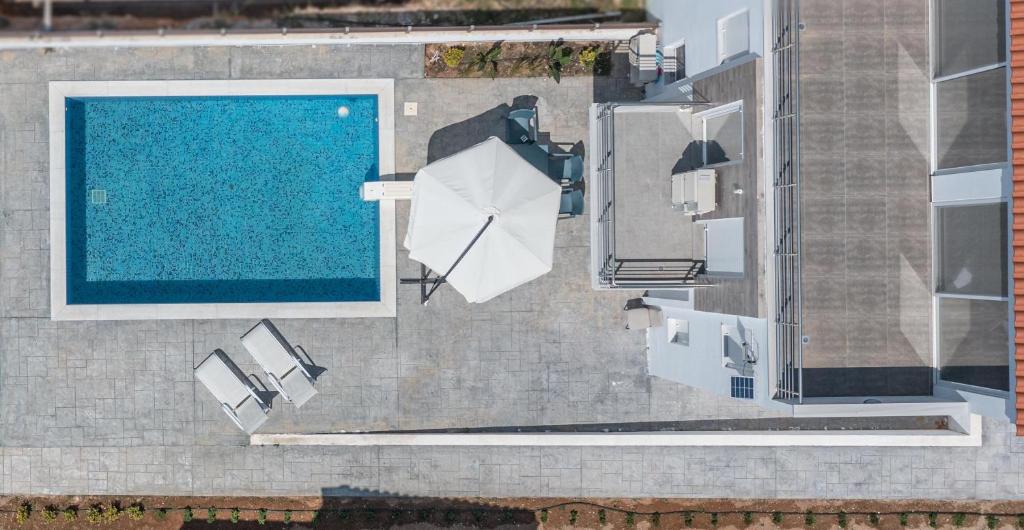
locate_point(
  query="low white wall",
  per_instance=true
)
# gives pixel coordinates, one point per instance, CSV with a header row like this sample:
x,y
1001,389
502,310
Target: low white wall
x,y
929,438
12,41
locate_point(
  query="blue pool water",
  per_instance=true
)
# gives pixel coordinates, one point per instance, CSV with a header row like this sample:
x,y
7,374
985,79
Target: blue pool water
x,y
221,199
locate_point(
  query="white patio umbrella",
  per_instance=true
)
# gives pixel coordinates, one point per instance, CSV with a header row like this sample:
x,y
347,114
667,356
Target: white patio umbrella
x,y
487,217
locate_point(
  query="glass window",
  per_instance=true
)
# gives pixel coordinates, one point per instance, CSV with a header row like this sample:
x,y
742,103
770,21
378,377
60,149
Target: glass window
x,y
969,34
972,256
974,345
971,119
723,137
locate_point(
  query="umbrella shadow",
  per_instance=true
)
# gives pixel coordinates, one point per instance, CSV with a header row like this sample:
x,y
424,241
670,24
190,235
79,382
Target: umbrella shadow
x,y
456,137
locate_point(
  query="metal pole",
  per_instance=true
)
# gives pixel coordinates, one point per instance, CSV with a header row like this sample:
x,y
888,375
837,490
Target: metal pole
x,y
444,278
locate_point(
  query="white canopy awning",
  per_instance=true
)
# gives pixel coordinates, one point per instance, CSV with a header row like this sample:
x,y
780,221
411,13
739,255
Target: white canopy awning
x,y
452,200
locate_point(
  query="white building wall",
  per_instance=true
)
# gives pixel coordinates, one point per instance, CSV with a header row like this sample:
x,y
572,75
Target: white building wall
x,y
695,22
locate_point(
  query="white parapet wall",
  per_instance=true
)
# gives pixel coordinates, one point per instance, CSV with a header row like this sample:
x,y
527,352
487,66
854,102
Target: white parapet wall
x,y
880,438
285,37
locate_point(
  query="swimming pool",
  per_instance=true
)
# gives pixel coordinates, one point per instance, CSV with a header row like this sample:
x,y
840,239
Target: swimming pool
x,y
221,199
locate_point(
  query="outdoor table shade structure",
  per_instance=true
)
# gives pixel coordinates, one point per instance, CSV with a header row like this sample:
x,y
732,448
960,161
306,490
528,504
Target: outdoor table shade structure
x,y
485,216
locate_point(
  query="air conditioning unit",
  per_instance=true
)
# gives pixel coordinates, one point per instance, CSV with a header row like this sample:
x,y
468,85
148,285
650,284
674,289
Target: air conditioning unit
x,y
693,192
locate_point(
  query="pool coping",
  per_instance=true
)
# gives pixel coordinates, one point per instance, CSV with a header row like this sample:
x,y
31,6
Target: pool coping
x,y
384,89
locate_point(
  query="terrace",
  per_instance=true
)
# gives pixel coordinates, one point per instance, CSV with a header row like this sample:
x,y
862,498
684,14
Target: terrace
x,y
551,352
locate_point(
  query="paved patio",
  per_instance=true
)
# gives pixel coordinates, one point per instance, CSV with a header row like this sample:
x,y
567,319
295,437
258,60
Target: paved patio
x,y
111,407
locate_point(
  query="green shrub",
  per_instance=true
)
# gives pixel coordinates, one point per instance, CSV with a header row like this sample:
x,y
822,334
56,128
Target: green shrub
x,y
588,57
186,514
573,516
49,514
688,519
134,512
453,57
543,515
655,519
314,517
809,518
488,60
748,518
777,518
287,517
70,513
904,519
991,521
714,519
1020,520
933,519
873,519
112,513
959,519
841,519
23,512
161,514
602,516
261,516
630,519
236,514
94,514
211,515
559,56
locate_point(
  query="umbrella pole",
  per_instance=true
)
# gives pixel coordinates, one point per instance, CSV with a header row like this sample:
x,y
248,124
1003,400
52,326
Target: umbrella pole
x,y
442,279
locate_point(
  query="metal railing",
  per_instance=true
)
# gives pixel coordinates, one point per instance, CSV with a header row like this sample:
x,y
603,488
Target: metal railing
x,y
623,272
786,184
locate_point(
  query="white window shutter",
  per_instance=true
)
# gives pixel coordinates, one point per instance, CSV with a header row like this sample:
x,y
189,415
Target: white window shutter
x,y
733,35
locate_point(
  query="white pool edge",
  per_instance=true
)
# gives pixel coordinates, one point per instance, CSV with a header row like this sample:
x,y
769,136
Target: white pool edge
x,y
61,310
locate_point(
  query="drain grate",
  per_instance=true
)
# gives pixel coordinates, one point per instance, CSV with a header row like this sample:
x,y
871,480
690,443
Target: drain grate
x,y
98,196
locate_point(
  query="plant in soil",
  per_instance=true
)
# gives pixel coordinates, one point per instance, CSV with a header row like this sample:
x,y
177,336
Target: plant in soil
x,y
236,514
688,519
959,519
287,517
588,57
714,519
873,519
630,519
573,516
161,514
904,519
933,519
602,516
453,56
488,60
70,513
94,514
559,56
23,512
261,516
655,519
777,518
543,515
841,519
991,521
748,518
112,513
134,512
1020,520
49,513
809,518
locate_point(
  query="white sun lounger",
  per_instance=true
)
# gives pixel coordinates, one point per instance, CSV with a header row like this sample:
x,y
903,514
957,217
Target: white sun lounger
x,y
237,395
283,366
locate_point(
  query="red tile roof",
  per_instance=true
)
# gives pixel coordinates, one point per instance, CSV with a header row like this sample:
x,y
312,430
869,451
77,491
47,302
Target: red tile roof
x,y
1017,128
